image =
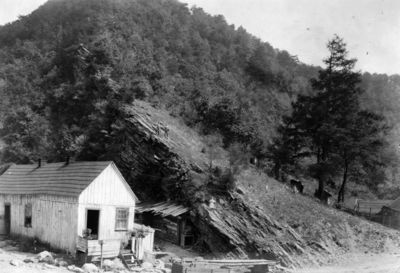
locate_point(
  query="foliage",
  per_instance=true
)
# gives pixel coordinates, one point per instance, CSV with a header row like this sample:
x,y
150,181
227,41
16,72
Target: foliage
x,y
331,126
69,67
216,78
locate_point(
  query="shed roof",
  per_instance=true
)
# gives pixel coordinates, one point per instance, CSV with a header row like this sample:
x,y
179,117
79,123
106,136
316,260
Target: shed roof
x,y
163,208
394,205
51,178
371,206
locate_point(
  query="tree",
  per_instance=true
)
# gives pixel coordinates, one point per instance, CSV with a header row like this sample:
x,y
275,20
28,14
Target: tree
x,y
85,114
24,134
330,125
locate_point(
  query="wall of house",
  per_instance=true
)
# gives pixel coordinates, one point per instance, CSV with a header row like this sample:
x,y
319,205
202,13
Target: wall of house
x,y
54,218
107,193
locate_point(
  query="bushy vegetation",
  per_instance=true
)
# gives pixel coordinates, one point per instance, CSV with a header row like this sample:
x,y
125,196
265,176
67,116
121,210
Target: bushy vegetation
x,y
67,69
331,127
62,63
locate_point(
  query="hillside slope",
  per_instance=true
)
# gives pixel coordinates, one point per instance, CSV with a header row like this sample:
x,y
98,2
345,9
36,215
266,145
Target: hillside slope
x,y
68,75
258,216
215,77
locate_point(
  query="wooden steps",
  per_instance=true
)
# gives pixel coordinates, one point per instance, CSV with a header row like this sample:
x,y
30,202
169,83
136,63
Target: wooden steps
x,y
128,259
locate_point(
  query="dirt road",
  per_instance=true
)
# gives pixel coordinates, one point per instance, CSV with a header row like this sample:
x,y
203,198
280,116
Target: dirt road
x,y
350,263
7,255
361,263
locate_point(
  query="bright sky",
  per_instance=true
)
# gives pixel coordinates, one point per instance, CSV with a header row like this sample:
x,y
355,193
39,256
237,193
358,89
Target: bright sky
x,y
371,28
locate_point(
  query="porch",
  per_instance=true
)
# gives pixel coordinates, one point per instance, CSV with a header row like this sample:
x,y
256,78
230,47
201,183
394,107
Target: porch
x,y
137,242
107,248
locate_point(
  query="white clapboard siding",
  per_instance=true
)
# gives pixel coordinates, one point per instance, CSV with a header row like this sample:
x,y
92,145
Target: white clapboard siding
x,y
60,195
107,192
111,248
108,188
148,242
54,218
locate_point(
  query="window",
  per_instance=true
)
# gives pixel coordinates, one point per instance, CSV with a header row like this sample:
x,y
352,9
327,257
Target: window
x,y
28,215
121,219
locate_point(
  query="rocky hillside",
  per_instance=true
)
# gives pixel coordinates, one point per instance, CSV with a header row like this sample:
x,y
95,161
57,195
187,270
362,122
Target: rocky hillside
x,y
256,216
66,69
180,100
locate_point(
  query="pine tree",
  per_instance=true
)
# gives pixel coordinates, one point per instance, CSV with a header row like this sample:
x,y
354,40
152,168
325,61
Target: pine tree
x,y
331,126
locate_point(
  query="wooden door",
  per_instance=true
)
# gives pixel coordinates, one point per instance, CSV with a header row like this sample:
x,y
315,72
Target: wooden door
x,y
2,221
5,220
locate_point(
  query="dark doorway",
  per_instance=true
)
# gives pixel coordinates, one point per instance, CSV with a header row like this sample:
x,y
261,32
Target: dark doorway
x,y
7,218
92,222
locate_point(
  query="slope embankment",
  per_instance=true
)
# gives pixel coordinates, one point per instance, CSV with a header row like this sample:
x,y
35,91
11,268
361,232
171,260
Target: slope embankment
x,y
258,217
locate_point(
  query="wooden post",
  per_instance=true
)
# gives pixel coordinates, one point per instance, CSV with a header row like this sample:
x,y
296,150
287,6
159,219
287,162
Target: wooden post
x,y
101,253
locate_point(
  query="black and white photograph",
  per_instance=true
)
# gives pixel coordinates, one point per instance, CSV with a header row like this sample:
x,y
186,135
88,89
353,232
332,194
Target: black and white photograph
x,y
199,136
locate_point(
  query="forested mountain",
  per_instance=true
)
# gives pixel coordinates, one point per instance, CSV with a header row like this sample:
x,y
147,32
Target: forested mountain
x,y
69,68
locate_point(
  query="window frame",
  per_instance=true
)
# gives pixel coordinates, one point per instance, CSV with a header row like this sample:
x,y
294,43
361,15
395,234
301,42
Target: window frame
x,y
119,219
28,224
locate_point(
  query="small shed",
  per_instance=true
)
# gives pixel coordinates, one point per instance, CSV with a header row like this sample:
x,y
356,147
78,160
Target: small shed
x,y
73,206
370,207
170,220
390,214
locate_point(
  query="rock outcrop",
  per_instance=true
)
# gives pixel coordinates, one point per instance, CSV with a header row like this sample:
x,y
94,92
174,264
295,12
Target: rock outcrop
x,y
159,148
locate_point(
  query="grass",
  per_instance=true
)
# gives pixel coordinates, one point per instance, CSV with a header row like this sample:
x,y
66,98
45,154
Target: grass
x,y
334,231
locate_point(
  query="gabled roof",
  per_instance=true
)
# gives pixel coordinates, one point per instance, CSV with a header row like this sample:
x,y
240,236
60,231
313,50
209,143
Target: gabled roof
x,y
163,208
51,178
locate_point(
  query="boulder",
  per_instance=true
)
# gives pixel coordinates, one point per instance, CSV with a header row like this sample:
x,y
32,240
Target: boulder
x,y
45,257
159,264
16,262
29,260
47,260
60,262
75,269
147,265
108,265
118,264
49,266
90,268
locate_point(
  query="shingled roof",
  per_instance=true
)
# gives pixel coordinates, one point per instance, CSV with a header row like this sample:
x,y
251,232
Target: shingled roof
x,y
51,178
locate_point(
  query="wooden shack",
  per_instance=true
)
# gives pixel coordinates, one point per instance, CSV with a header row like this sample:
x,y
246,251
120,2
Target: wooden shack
x,y
170,220
390,214
372,209
73,206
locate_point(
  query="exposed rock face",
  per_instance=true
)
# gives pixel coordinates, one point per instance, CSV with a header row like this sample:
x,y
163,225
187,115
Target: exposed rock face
x,y
173,153
157,150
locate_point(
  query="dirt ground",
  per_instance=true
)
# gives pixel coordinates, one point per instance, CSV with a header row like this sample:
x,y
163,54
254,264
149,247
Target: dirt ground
x,y
8,253
360,263
349,263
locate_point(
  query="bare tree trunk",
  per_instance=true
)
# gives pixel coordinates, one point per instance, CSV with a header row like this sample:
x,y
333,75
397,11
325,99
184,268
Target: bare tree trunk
x,y
321,186
344,180
277,170
321,179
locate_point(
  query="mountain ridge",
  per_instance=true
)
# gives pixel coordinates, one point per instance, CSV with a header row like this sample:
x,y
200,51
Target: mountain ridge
x,y
182,102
